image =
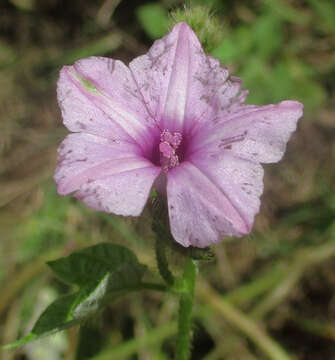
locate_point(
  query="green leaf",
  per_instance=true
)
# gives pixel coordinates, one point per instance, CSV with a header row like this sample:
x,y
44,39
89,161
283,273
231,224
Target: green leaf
x,y
55,317
103,272
92,263
20,342
69,310
154,19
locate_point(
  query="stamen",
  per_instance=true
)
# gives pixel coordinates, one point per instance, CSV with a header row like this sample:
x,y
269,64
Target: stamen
x,y
167,147
174,140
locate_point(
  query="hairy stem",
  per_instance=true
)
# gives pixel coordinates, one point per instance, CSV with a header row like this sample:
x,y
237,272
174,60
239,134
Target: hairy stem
x,y
185,311
162,262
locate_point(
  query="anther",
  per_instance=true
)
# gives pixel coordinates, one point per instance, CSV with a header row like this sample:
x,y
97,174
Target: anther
x,y
167,147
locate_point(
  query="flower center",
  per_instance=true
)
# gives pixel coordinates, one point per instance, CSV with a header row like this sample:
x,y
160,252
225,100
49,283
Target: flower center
x,y
168,146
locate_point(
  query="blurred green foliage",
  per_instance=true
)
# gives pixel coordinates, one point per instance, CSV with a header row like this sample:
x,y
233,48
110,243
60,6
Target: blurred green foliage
x,y
153,17
45,229
325,11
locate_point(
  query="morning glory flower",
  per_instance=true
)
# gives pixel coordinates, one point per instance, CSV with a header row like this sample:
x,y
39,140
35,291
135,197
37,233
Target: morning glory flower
x,y
176,121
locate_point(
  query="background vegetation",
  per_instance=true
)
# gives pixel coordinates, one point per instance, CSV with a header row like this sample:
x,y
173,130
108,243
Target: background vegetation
x,y
281,276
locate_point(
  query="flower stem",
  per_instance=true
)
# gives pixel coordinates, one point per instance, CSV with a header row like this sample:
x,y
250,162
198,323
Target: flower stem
x,y
162,262
185,311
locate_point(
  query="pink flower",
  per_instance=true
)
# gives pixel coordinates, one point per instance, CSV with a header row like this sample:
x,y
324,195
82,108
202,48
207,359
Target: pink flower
x,y
174,116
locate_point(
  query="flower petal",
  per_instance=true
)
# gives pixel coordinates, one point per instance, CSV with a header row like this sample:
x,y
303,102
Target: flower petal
x,y
80,114
257,133
99,94
239,179
84,158
199,211
123,193
181,85
213,94
164,75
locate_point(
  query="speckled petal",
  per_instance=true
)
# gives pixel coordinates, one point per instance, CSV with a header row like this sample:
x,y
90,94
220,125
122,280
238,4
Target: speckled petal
x,y
200,212
162,76
257,133
239,179
81,115
85,158
213,94
181,85
99,95
123,193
